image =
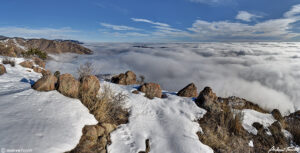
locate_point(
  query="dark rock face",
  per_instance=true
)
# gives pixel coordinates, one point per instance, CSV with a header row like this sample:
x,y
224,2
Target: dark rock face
x,y
46,83
95,138
188,91
27,64
206,99
68,85
151,90
125,79
277,115
2,69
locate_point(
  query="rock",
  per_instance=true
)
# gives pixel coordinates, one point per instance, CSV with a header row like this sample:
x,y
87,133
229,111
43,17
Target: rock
x,y
135,92
277,115
151,90
89,86
258,126
188,91
46,83
57,74
164,96
2,69
39,62
46,72
37,69
125,79
68,85
95,138
27,64
207,100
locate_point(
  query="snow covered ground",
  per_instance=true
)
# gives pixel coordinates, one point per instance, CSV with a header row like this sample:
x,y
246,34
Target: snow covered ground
x,y
170,125
39,122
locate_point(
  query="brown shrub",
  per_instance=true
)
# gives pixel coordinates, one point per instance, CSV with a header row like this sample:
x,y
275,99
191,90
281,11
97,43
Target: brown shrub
x,y
108,107
85,69
10,61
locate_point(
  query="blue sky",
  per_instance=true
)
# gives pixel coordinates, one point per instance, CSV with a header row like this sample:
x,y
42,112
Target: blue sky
x,y
152,21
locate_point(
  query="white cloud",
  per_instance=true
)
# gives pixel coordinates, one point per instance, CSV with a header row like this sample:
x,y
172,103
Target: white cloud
x,y
264,73
118,27
293,12
212,2
151,22
246,16
274,29
51,33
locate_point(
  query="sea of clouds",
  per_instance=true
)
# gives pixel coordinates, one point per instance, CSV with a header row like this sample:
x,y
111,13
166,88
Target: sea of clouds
x,y
266,73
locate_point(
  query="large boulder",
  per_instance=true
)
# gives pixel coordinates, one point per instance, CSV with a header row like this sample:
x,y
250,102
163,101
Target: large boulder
x,y
2,69
125,79
27,64
68,85
188,91
95,138
89,86
207,99
151,90
46,83
39,62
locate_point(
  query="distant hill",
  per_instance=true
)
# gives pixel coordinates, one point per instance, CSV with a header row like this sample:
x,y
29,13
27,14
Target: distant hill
x,y
19,45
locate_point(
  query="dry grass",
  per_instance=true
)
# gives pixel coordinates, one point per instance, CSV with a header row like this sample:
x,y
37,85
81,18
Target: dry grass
x,y
10,61
108,106
85,69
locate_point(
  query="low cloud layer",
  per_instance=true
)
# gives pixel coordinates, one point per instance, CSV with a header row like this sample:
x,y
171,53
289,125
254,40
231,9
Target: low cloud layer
x,y
265,73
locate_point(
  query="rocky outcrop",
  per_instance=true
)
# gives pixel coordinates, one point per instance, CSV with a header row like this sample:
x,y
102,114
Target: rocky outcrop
x,y
37,69
39,62
68,85
2,69
7,51
46,72
46,83
293,125
125,79
151,90
27,64
222,128
188,91
95,138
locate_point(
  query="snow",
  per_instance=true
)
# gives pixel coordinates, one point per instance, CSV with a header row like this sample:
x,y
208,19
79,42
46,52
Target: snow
x,y
251,143
42,121
170,125
19,46
251,116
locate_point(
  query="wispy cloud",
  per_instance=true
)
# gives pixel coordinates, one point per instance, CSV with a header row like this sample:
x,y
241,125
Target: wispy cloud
x,y
212,2
149,21
246,16
118,27
293,12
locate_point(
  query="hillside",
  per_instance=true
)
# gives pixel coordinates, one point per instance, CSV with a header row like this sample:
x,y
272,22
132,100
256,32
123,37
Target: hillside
x,y
15,46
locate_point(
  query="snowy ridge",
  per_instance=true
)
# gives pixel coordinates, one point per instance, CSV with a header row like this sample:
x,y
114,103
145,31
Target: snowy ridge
x,y
42,121
170,125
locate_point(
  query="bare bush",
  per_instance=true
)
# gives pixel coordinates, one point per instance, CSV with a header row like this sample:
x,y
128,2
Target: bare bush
x,y
8,60
85,69
109,107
